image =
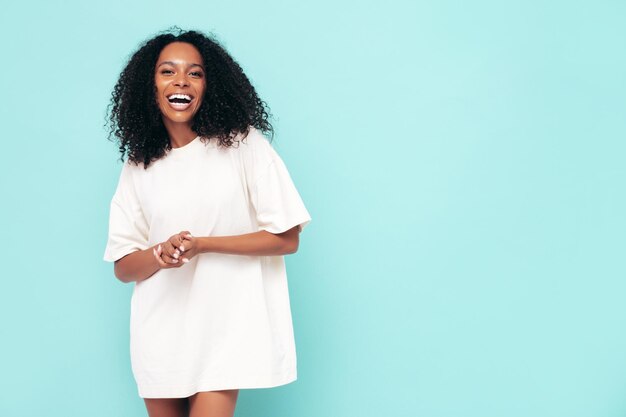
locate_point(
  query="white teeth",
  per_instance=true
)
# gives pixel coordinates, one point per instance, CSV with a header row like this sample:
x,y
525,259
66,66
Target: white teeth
x,y
183,96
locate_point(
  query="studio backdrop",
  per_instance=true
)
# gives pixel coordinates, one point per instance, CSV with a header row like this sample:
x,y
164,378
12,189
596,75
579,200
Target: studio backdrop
x,y
463,163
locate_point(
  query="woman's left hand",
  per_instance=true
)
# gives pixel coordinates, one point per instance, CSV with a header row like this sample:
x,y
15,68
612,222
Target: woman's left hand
x,y
181,246
189,247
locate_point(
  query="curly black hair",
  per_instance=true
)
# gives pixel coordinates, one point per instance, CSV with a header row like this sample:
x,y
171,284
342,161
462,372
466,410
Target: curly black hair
x,y
230,104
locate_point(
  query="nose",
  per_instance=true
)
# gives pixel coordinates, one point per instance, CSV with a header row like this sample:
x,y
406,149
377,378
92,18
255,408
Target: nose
x,y
181,80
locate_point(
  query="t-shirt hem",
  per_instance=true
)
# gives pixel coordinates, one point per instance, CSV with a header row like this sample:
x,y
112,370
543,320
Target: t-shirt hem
x,y
161,391
115,255
280,228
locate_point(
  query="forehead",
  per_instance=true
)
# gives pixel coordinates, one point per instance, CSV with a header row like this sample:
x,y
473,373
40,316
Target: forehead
x,y
182,52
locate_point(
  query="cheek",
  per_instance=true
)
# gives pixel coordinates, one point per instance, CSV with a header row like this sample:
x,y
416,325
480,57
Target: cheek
x,y
158,92
200,97
201,89
158,86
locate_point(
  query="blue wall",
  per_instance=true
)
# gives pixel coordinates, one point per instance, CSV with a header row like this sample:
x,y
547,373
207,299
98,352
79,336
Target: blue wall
x,y
463,165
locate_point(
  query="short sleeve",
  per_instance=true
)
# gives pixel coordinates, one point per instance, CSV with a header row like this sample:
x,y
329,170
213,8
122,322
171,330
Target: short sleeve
x,y
275,198
128,228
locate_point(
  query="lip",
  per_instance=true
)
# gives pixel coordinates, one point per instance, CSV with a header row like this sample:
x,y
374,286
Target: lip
x,y
180,92
180,106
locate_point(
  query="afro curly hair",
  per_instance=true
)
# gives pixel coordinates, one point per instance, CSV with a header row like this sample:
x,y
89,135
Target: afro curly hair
x,y
230,104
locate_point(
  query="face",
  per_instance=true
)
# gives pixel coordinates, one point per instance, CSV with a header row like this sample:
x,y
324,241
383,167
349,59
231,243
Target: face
x,y
180,83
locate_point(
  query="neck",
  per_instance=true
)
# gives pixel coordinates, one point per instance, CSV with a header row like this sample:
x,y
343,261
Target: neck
x,y
180,133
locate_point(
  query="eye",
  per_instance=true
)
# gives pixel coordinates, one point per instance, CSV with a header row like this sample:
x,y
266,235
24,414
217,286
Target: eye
x,y
199,74
165,71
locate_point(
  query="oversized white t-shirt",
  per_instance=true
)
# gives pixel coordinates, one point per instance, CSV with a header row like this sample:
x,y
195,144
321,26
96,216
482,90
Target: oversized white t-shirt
x,y
221,321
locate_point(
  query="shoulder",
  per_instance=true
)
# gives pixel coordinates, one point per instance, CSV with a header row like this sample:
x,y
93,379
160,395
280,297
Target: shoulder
x,y
255,139
131,172
130,168
255,154
255,146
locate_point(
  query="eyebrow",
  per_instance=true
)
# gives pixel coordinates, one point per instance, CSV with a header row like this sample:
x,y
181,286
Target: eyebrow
x,y
173,64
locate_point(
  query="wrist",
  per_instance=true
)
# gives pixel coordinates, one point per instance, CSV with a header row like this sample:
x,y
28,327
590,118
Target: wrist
x,y
204,244
154,252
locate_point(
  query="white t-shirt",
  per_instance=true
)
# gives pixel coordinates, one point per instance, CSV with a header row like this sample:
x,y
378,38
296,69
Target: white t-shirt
x,y
221,321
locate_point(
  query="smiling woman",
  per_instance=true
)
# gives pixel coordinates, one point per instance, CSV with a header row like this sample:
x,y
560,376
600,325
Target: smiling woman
x,y
204,322
222,101
180,85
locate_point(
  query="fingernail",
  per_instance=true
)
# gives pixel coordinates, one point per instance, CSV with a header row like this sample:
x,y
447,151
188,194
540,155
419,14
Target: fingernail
x,y
159,248
174,261
188,235
182,248
175,255
185,260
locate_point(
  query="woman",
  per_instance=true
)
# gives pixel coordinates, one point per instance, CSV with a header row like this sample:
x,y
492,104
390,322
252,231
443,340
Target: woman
x,y
202,215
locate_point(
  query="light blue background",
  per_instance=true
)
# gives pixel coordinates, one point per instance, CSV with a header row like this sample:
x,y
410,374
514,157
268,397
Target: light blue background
x,y
463,163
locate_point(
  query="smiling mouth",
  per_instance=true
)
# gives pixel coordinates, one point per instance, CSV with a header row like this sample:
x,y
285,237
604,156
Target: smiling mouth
x,y
180,102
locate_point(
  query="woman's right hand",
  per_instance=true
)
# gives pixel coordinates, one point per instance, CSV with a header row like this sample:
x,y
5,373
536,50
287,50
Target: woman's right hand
x,y
168,253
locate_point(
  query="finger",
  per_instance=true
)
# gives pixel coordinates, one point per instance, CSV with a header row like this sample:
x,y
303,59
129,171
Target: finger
x,y
187,237
169,259
183,236
160,255
166,258
185,246
175,240
158,258
169,249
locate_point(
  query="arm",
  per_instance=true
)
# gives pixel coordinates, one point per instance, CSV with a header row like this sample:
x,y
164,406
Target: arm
x,y
136,266
142,264
262,243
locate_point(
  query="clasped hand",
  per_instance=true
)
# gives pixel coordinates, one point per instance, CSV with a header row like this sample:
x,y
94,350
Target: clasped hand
x,y
176,251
